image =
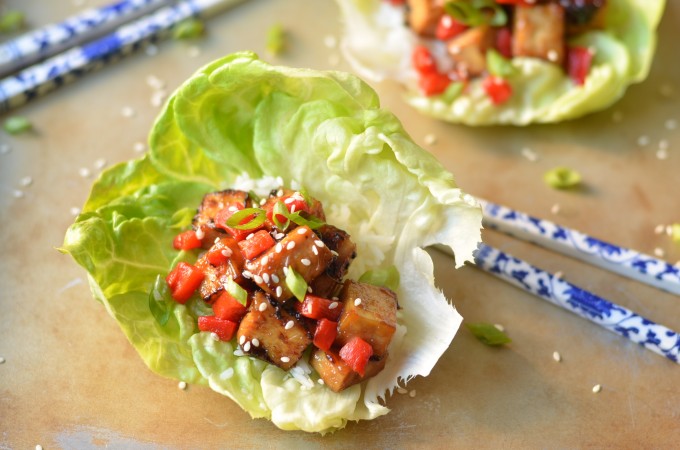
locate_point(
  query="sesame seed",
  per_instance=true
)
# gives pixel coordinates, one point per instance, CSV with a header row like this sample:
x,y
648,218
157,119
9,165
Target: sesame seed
x,y
38,447
275,278
291,245
279,235
306,262
84,172
157,98
279,291
659,252
100,163
139,147
264,260
663,144
357,302
314,250
285,270
200,234
302,230
597,388
643,141
412,393
401,390
4,149
320,381
247,274
256,341
154,82
659,229
246,347
662,154
232,208
669,230
430,139
26,181
182,385
18,193
258,279
238,352
529,154
250,236
671,124
2,360
262,307
333,305
227,373
265,277
75,210
289,200
242,339
557,357
285,359
499,327
330,41
263,201
558,275
279,193
194,52
309,289
227,252
334,253
127,111
553,55
555,209
278,248
319,243
215,336
290,324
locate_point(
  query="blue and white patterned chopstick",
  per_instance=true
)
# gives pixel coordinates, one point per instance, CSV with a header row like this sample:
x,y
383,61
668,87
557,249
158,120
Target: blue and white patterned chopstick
x,y
630,263
51,39
618,319
48,75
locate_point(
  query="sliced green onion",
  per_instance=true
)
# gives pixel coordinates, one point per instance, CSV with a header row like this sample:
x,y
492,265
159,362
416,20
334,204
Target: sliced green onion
x,y
12,21
236,291
387,277
159,303
189,29
488,334
296,284
255,216
256,199
17,125
453,91
476,12
562,178
280,210
276,39
312,221
305,196
675,233
498,65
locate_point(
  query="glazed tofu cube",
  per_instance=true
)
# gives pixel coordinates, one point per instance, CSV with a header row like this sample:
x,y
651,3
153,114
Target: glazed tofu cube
x,y
468,50
424,15
301,250
270,333
216,276
212,203
584,15
344,251
538,31
338,375
369,312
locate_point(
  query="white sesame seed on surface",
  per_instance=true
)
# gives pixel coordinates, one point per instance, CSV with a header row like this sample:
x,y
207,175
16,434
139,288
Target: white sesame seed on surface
x,y
100,163
127,111
2,360
558,274
529,154
275,278
289,200
258,279
401,390
265,277
256,341
247,274
262,306
246,347
659,252
333,305
319,243
18,193
139,147
290,245
228,373
279,235
430,139
662,154
154,82
671,124
279,193
659,229
330,41
306,262
182,385
38,447
263,201
302,230
84,172
75,210
499,327
334,253
412,393
290,324
663,144
557,357
279,291
242,339
643,141
669,230
555,209
215,337
285,359
194,52
278,248
597,388
264,260
320,381
552,55
309,289
357,301
314,250
26,181
250,236
285,270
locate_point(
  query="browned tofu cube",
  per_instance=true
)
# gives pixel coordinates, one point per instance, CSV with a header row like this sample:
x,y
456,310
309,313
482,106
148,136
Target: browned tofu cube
x,y
216,276
369,312
337,375
538,31
302,250
423,16
270,333
468,50
344,251
584,15
213,203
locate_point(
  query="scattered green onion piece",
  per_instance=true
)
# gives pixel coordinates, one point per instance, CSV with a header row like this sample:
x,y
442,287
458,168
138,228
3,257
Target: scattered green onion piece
x,y
562,178
387,277
12,21
312,221
296,284
256,199
276,39
280,210
476,12
305,196
675,233
488,334
453,91
189,29
17,125
159,303
258,217
498,65
236,291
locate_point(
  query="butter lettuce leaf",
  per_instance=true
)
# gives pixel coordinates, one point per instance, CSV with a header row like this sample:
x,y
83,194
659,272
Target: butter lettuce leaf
x,y
379,46
324,131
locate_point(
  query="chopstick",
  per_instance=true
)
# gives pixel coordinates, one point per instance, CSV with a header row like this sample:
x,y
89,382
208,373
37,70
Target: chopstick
x,y
73,63
623,261
547,286
49,40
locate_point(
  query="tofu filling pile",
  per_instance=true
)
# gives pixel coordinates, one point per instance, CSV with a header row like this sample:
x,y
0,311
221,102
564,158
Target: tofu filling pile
x,y
274,273
466,39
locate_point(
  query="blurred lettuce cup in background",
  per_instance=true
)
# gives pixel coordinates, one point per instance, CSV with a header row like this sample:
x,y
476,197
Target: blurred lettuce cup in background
x,y
241,123
486,62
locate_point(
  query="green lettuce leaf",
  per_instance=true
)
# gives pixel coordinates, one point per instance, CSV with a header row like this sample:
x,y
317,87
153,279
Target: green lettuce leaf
x,y
378,45
323,130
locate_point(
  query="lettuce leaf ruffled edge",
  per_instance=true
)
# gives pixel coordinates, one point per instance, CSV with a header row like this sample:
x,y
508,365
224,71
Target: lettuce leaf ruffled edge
x,y
324,130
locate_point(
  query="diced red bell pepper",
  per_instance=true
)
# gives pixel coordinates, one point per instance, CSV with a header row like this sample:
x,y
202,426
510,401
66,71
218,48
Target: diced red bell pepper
x,y
448,28
504,42
225,329
183,281
517,2
317,308
221,251
259,242
186,240
433,83
498,89
356,353
325,333
579,60
293,203
423,61
226,307
223,215
397,2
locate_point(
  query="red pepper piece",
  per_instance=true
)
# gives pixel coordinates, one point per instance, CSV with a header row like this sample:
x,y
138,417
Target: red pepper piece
x,y
226,307
579,60
504,42
325,333
186,240
448,28
225,329
356,353
221,251
222,217
423,61
498,89
256,244
317,308
293,203
183,281
433,83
